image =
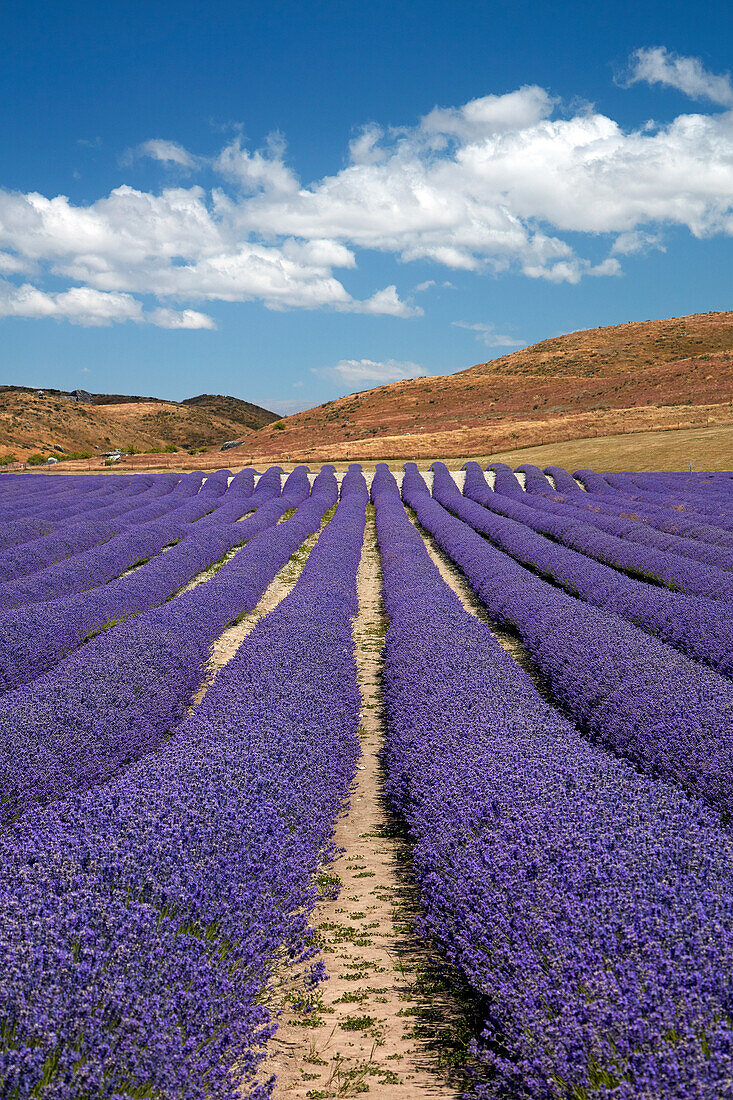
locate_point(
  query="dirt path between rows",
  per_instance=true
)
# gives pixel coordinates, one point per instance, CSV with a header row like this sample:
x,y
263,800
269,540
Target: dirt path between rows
x,y
383,1020
456,580
227,644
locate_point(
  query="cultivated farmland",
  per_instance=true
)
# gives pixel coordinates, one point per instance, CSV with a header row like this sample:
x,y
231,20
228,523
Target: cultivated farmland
x,y
314,785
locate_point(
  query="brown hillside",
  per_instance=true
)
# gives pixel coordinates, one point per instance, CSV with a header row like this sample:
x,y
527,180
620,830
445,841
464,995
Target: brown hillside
x,y
641,376
54,425
671,375
616,349
232,409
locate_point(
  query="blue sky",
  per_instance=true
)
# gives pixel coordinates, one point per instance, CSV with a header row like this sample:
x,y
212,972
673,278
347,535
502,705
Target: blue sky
x,y
288,201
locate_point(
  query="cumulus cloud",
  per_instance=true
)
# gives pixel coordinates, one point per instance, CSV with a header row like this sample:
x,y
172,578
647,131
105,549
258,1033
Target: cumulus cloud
x,y
187,318
491,114
487,334
262,170
12,264
508,182
365,147
656,65
165,152
573,270
498,186
79,305
627,244
388,302
430,283
90,308
354,371
176,244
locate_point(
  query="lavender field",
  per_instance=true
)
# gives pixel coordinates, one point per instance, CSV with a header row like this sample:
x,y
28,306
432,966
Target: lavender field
x,y
244,717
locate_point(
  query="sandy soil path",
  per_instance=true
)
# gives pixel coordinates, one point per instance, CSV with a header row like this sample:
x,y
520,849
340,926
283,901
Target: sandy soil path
x,y
227,644
453,576
383,1019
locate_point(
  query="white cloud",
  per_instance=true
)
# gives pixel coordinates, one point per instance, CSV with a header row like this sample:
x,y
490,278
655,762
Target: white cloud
x,y
365,148
263,170
386,301
491,114
80,305
476,195
166,152
187,318
573,270
11,264
656,65
352,371
626,244
498,184
430,283
487,334
88,307
177,245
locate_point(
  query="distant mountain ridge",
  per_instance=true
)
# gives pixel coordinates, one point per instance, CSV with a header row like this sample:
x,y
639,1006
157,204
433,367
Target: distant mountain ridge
x,y
254,416
61,422
234,409
91,398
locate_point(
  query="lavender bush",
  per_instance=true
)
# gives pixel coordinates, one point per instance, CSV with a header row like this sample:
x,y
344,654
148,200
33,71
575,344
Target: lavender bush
x,y
629,525
120,695
660,567
590,906
642,698
139,921
699,627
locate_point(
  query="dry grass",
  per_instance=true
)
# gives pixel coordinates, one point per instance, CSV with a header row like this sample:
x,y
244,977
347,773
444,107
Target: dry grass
x,y
706,448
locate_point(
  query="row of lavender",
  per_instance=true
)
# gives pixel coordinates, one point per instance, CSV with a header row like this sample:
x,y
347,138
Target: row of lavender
x,y
574,893
663,559
647,516
103,517
206,519
32,508
588,902
640,696
119,695
46,616
140,918
699,626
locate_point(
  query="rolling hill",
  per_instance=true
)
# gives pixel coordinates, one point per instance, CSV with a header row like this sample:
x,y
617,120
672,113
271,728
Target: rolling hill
x,y
60,423
641,376
673,375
